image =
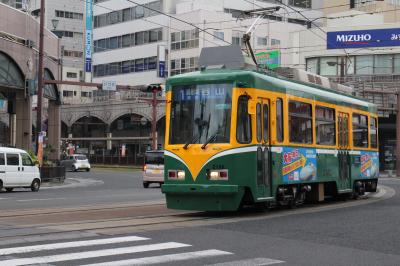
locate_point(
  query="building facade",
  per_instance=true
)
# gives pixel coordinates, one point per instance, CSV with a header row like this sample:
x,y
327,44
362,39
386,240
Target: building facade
x,y
365,56
19,41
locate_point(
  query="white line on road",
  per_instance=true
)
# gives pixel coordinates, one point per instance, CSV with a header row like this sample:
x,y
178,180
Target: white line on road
x,y
249,262
164,258
85,243
92,254
41,199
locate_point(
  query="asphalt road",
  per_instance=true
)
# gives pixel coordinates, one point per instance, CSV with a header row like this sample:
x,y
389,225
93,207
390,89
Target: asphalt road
x,y
361,232
84,188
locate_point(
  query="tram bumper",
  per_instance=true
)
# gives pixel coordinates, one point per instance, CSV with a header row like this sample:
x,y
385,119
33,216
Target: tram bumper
x,y
203,197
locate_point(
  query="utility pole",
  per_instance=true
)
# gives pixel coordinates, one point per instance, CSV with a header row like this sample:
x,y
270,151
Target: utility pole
x,y
154,119
40,79
398,135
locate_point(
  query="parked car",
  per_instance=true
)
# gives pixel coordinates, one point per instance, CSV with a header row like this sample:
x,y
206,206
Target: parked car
x,y
76,162
153,168
18,170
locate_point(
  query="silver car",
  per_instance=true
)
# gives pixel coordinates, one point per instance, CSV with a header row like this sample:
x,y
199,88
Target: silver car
x,y
153,168
76,162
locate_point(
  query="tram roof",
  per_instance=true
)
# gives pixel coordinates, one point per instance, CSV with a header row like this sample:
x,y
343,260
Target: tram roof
x,y
254,79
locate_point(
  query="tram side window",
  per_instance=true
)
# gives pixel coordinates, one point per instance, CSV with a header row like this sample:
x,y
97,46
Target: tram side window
x,y
360,131
243,131
372,132
325,125
300,122
258,122
279,120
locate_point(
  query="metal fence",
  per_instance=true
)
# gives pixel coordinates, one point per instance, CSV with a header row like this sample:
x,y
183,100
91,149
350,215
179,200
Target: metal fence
x,y
52,173
137,160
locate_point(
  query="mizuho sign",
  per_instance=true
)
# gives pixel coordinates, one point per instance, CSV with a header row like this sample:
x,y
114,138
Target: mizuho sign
x,y
363,38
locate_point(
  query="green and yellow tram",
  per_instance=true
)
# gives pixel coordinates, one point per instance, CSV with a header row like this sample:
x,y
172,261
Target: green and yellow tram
x,y
238,137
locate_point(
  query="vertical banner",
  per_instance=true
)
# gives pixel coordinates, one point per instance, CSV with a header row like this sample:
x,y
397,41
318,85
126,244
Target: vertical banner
x,y
40,148
123,150
161,61
88,36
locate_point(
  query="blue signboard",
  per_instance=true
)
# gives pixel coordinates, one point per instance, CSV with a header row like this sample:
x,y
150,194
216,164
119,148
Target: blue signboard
x,y
88,36
363,38
299,164
161,69
2,104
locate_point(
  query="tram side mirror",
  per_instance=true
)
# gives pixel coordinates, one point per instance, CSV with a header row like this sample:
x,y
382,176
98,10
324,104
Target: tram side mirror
x,y
251,107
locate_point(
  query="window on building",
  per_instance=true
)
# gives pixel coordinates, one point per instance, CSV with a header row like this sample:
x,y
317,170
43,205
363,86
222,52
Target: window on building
x,y
300,122
275,42
262,41
126,14
72,75
300,3
67,93
396,64
86,94
350,63
243,130
279,119
328,66
383,64
364,65
373,128
325,125
312,65
219,35
360,131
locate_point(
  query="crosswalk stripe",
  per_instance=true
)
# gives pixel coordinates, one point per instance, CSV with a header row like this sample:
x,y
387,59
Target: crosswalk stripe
x,y
84,243
249,262
164,258
92,254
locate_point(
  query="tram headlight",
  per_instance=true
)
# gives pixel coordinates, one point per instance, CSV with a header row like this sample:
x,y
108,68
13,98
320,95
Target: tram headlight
x,y
176,174
217,174
181,174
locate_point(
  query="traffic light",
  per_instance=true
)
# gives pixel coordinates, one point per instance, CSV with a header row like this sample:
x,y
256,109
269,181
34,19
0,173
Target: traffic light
x,y
152,87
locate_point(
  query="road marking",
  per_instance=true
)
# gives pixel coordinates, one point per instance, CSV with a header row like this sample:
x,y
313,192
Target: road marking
x,y
92,254
41,199
85,243
249,262
165,258
52,237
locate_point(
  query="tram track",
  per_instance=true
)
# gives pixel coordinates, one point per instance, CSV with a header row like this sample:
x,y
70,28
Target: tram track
x,y
165,219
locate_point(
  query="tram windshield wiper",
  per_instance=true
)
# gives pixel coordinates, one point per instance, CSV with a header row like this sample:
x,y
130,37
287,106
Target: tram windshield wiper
x,y
212,138
194,139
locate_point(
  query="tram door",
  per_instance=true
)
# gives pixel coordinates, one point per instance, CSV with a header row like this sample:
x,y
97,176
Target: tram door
x,y
343,152
263,151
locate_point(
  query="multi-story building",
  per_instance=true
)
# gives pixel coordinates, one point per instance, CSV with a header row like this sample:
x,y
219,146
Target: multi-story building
x,y
130,40
365,55
66,19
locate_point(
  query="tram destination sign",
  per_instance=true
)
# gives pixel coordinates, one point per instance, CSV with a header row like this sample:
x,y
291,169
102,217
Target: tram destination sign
x,y
363,38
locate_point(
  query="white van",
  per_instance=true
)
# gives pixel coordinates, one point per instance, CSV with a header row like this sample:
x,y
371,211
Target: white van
x,y
18,170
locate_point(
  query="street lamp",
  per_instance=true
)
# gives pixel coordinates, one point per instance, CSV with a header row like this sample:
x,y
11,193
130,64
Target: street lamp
x,y
55,22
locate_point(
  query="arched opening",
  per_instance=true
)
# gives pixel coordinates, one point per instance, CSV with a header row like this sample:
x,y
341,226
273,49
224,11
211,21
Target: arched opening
x,y
11,75
130,125
89,127
50,90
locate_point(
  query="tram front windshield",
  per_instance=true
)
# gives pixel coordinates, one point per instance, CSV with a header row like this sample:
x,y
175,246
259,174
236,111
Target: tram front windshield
x,y
201,114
